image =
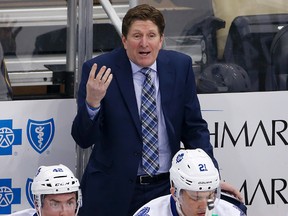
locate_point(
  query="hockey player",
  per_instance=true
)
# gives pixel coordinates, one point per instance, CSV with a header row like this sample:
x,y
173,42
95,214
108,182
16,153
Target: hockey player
x,y
56,192
195,189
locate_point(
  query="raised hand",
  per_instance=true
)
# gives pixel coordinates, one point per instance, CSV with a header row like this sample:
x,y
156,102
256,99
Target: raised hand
x,y
97,85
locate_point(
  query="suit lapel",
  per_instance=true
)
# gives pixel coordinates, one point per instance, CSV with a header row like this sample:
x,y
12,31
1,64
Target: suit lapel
x,y
167,76
124,78
166,73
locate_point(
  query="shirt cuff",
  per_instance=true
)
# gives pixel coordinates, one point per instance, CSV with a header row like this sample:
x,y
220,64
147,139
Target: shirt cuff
x,y
92,111
92,108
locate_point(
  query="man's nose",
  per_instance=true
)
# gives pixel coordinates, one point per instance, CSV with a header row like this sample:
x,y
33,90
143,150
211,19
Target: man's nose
x,y
65,211
144,41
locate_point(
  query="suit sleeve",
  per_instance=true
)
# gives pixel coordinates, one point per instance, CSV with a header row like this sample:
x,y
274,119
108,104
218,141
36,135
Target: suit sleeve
x,y
84,130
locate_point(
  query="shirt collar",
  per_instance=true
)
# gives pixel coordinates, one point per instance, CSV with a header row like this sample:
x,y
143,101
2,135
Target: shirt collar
x,y
136,68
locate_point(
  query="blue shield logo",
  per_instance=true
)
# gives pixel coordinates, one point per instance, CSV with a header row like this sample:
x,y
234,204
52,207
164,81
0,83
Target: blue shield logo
x,y
29,194
40,134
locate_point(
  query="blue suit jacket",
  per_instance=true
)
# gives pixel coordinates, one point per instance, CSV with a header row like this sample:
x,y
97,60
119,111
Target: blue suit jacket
x,y
109,179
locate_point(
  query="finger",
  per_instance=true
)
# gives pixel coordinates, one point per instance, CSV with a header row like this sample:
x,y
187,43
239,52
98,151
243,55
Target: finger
x,y
93,71
101,72
238,195
241,198
106,75
109,79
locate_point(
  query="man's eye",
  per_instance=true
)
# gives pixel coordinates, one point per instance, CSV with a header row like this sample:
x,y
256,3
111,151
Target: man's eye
x,y
71,203
195,198
54,204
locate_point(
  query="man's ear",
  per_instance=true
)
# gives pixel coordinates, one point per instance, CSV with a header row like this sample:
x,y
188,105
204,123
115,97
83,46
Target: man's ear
x,y
173,193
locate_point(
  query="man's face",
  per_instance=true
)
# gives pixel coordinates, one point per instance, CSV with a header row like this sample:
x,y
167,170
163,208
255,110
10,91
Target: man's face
x,y
143,42
59,205
195,203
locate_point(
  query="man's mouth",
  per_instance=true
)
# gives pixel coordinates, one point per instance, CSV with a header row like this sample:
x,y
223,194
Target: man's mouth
x,y
144,53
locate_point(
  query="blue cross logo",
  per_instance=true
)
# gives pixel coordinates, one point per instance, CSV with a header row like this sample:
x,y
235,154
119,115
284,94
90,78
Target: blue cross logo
x,y
8,137
8,196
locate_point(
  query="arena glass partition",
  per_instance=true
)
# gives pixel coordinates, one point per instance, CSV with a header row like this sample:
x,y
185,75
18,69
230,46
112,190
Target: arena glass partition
x,y
230,40
34,38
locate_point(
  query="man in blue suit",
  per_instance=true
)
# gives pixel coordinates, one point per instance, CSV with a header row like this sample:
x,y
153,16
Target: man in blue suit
x,y
108,117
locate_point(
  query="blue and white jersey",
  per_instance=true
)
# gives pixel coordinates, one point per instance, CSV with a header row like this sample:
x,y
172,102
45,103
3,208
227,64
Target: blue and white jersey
x,y
166,206
26,212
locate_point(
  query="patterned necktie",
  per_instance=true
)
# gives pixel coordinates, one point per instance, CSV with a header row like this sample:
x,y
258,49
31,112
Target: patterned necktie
x,y
150,155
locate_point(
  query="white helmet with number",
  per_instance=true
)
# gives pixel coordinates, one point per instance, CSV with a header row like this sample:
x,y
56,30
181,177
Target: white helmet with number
x,y
56,179
193,170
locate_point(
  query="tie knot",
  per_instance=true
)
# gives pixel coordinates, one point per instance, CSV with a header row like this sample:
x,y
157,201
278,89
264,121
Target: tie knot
x,y
146,71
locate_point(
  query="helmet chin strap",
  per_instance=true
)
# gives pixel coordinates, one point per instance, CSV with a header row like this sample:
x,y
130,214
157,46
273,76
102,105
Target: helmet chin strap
x,y
208,212
38,210
209,208
38,204
179,210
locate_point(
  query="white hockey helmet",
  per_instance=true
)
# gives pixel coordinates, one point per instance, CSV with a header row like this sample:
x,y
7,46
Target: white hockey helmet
x,y
193,170
56,179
